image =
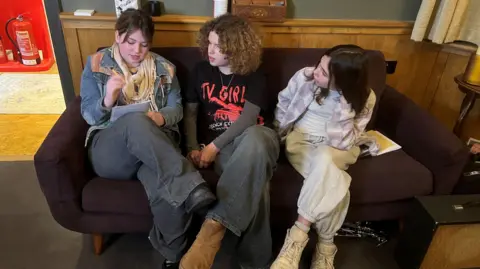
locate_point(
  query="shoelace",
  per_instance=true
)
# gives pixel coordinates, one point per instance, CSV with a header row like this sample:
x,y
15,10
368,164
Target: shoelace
x,y
322,259
292,250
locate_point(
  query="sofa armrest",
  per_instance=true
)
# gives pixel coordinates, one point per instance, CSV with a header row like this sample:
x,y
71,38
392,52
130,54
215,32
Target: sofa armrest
x,y
424,138
61,162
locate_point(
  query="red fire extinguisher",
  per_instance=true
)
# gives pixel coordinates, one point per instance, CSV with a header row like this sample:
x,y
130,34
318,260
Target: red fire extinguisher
x,y
3,55
25,42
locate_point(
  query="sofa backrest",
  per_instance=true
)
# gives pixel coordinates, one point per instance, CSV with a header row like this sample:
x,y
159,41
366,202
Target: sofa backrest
x,y
279,65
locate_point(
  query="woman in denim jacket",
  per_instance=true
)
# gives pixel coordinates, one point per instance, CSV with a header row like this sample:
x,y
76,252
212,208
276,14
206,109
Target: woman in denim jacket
x,y
142,145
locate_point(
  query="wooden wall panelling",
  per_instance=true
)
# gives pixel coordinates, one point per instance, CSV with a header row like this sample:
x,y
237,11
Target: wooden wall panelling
x,y
74,57
375,42
174,39
176,35
172,30
266,39
280,40
434,79
415,61
92,39
404,53
447,99
325,40
424,72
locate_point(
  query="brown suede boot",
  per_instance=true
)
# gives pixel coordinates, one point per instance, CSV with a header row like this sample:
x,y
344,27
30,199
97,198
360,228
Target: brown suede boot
x,y
202,253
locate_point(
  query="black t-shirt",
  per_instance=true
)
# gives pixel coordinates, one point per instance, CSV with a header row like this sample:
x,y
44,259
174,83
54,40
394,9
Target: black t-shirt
x,y
222,104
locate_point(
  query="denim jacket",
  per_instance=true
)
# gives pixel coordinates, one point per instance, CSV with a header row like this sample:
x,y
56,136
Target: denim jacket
x,y
96,73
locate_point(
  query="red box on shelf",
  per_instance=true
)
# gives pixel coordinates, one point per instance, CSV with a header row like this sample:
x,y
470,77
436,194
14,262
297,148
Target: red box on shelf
x,y
34,11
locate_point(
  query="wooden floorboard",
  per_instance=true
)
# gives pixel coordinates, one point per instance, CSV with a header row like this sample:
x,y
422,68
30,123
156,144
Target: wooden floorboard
x,y
22,135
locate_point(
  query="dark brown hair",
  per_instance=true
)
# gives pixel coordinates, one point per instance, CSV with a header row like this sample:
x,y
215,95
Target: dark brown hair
x,y
132,20
348,69
237,39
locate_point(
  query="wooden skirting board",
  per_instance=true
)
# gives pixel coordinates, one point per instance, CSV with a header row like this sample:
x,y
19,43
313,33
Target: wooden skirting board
x,y
425,71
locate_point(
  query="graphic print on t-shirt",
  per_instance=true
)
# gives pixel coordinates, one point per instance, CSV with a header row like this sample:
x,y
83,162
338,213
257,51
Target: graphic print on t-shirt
x,y
229,104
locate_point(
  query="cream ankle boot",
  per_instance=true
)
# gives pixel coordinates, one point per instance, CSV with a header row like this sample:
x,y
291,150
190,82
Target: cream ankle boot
x,y
292,249
324,256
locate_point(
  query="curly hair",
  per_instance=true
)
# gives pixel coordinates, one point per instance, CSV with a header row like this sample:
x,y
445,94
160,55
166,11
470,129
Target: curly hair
x,y
238,40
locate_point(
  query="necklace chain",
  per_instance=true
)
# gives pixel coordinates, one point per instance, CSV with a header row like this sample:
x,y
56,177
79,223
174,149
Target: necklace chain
x,y
221,79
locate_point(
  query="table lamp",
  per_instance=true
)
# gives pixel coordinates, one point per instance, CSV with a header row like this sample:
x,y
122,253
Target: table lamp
x,y
472,73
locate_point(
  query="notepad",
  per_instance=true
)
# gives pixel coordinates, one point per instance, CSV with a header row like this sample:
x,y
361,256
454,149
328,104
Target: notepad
x,y
384,143
119,111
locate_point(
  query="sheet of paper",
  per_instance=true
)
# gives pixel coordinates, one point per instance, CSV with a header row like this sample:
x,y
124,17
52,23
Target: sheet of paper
x,y
118,111
385,144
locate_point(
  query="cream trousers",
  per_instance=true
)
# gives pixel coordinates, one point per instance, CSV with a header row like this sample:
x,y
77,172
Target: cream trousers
x,y
325,196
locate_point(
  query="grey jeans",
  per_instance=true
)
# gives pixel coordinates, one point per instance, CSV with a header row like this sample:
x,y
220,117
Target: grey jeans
x,y
134,147
245,167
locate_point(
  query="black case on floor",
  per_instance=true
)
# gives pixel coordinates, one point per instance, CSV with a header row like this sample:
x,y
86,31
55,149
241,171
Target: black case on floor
x,y
469,182
425,218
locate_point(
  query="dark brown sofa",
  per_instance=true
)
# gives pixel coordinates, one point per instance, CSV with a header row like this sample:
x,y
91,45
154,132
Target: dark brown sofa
x,y
429,163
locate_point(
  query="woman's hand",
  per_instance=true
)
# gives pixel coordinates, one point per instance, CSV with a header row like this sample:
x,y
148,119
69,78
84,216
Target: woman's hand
x,y
157,117
475,149
114,85
208,155
194,157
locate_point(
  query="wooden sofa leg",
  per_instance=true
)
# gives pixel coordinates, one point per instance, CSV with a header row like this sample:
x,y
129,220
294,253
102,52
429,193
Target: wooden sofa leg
x,y
98,243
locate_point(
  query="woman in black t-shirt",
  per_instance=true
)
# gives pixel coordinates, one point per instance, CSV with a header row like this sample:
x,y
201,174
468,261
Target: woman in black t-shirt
x,y
228,95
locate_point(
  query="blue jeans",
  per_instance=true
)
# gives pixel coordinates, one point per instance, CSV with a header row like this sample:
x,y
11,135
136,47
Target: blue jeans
x,y
245,167
134,147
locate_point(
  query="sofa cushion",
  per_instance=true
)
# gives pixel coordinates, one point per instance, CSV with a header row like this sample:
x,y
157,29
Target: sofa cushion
x,y
115,196
390,177
387,178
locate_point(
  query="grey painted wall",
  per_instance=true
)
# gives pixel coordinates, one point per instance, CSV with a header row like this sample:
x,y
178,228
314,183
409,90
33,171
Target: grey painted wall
x,y
405,10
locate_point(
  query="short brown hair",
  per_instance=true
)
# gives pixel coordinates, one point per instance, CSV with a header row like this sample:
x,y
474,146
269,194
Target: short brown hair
x,y
132,20
237,39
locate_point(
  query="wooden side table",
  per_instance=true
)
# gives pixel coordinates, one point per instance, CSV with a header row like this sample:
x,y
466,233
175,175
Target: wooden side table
x,y
472,92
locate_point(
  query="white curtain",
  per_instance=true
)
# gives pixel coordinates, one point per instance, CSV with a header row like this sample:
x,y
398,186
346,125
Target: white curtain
x,y
444,21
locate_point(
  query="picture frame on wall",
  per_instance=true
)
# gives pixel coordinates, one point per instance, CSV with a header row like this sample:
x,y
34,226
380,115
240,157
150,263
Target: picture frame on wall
x,y
122,5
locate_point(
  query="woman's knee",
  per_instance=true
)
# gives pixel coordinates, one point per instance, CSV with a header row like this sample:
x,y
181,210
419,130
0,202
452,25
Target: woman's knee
x,y
340,158
137,124
260,143
322,154
260,139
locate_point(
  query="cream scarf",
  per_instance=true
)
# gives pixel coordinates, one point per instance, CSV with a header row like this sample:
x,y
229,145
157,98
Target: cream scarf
x,y
144,79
